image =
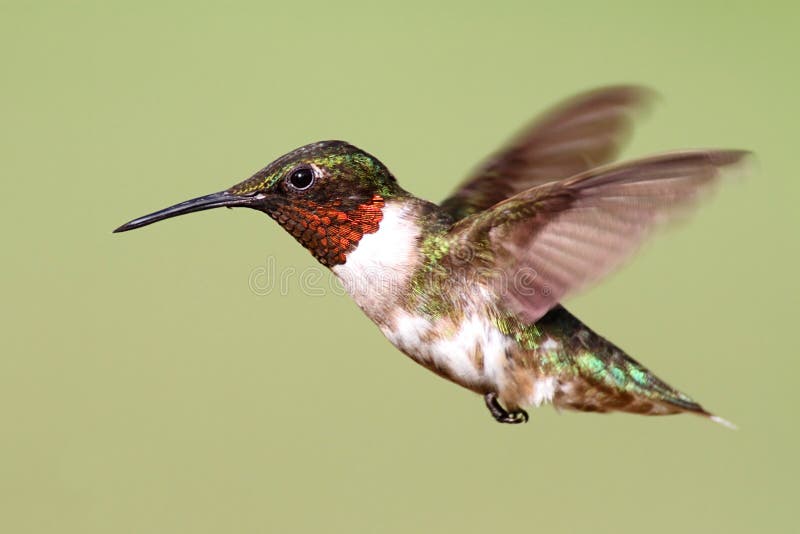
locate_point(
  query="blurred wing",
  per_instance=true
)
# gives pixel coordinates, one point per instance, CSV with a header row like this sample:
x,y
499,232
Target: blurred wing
x,y
556,238
581,133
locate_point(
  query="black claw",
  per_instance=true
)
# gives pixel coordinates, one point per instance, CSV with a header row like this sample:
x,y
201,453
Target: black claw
x,y
500,414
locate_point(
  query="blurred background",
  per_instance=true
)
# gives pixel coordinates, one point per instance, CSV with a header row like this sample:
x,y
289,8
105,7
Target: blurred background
x,y
147,386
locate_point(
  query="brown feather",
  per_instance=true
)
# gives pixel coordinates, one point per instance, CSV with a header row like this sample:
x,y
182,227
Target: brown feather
x,y
583,132
555,239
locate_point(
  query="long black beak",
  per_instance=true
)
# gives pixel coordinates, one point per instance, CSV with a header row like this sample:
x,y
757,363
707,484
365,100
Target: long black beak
x,y
214,200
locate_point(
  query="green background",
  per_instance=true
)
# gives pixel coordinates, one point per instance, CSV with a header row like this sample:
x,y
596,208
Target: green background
x,y
146,388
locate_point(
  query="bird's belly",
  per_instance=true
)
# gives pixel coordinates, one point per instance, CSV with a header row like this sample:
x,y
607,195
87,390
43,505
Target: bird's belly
x,y
470,352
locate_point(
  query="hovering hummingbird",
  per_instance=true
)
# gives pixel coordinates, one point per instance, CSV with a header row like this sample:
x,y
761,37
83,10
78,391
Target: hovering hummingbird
x,y
470,288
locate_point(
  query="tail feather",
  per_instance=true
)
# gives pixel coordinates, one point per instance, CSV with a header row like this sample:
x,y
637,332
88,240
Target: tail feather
x,y
724,422
603,378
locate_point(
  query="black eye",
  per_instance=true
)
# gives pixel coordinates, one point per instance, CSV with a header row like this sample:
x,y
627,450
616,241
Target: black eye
x,y
301,179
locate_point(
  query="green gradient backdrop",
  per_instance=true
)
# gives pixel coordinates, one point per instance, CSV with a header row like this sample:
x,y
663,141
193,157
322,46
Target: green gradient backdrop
x,y
144,387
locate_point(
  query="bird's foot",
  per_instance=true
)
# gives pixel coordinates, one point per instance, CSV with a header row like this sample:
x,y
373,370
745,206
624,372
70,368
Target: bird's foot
x,y
500,414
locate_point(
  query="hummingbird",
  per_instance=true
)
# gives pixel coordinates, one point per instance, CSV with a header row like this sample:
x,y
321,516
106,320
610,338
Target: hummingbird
x,y
471,288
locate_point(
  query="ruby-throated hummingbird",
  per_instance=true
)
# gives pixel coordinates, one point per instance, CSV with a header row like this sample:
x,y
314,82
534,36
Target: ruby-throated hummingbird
x,y
470,288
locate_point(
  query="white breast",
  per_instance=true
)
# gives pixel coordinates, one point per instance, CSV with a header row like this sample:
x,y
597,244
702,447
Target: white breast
x,y
472,351
380,266
376,274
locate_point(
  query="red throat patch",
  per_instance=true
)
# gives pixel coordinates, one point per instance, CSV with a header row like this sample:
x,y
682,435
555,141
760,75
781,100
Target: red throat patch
x,y
328,231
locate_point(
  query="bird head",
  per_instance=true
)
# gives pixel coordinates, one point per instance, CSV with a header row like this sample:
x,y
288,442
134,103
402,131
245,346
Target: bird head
x,y
327,195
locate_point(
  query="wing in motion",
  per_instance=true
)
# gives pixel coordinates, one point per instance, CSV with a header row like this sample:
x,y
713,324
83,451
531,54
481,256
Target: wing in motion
x,y
582,133
556,238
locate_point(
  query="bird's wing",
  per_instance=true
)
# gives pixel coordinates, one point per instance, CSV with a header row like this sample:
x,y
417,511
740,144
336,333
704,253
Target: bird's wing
x,y
556,238
583,132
